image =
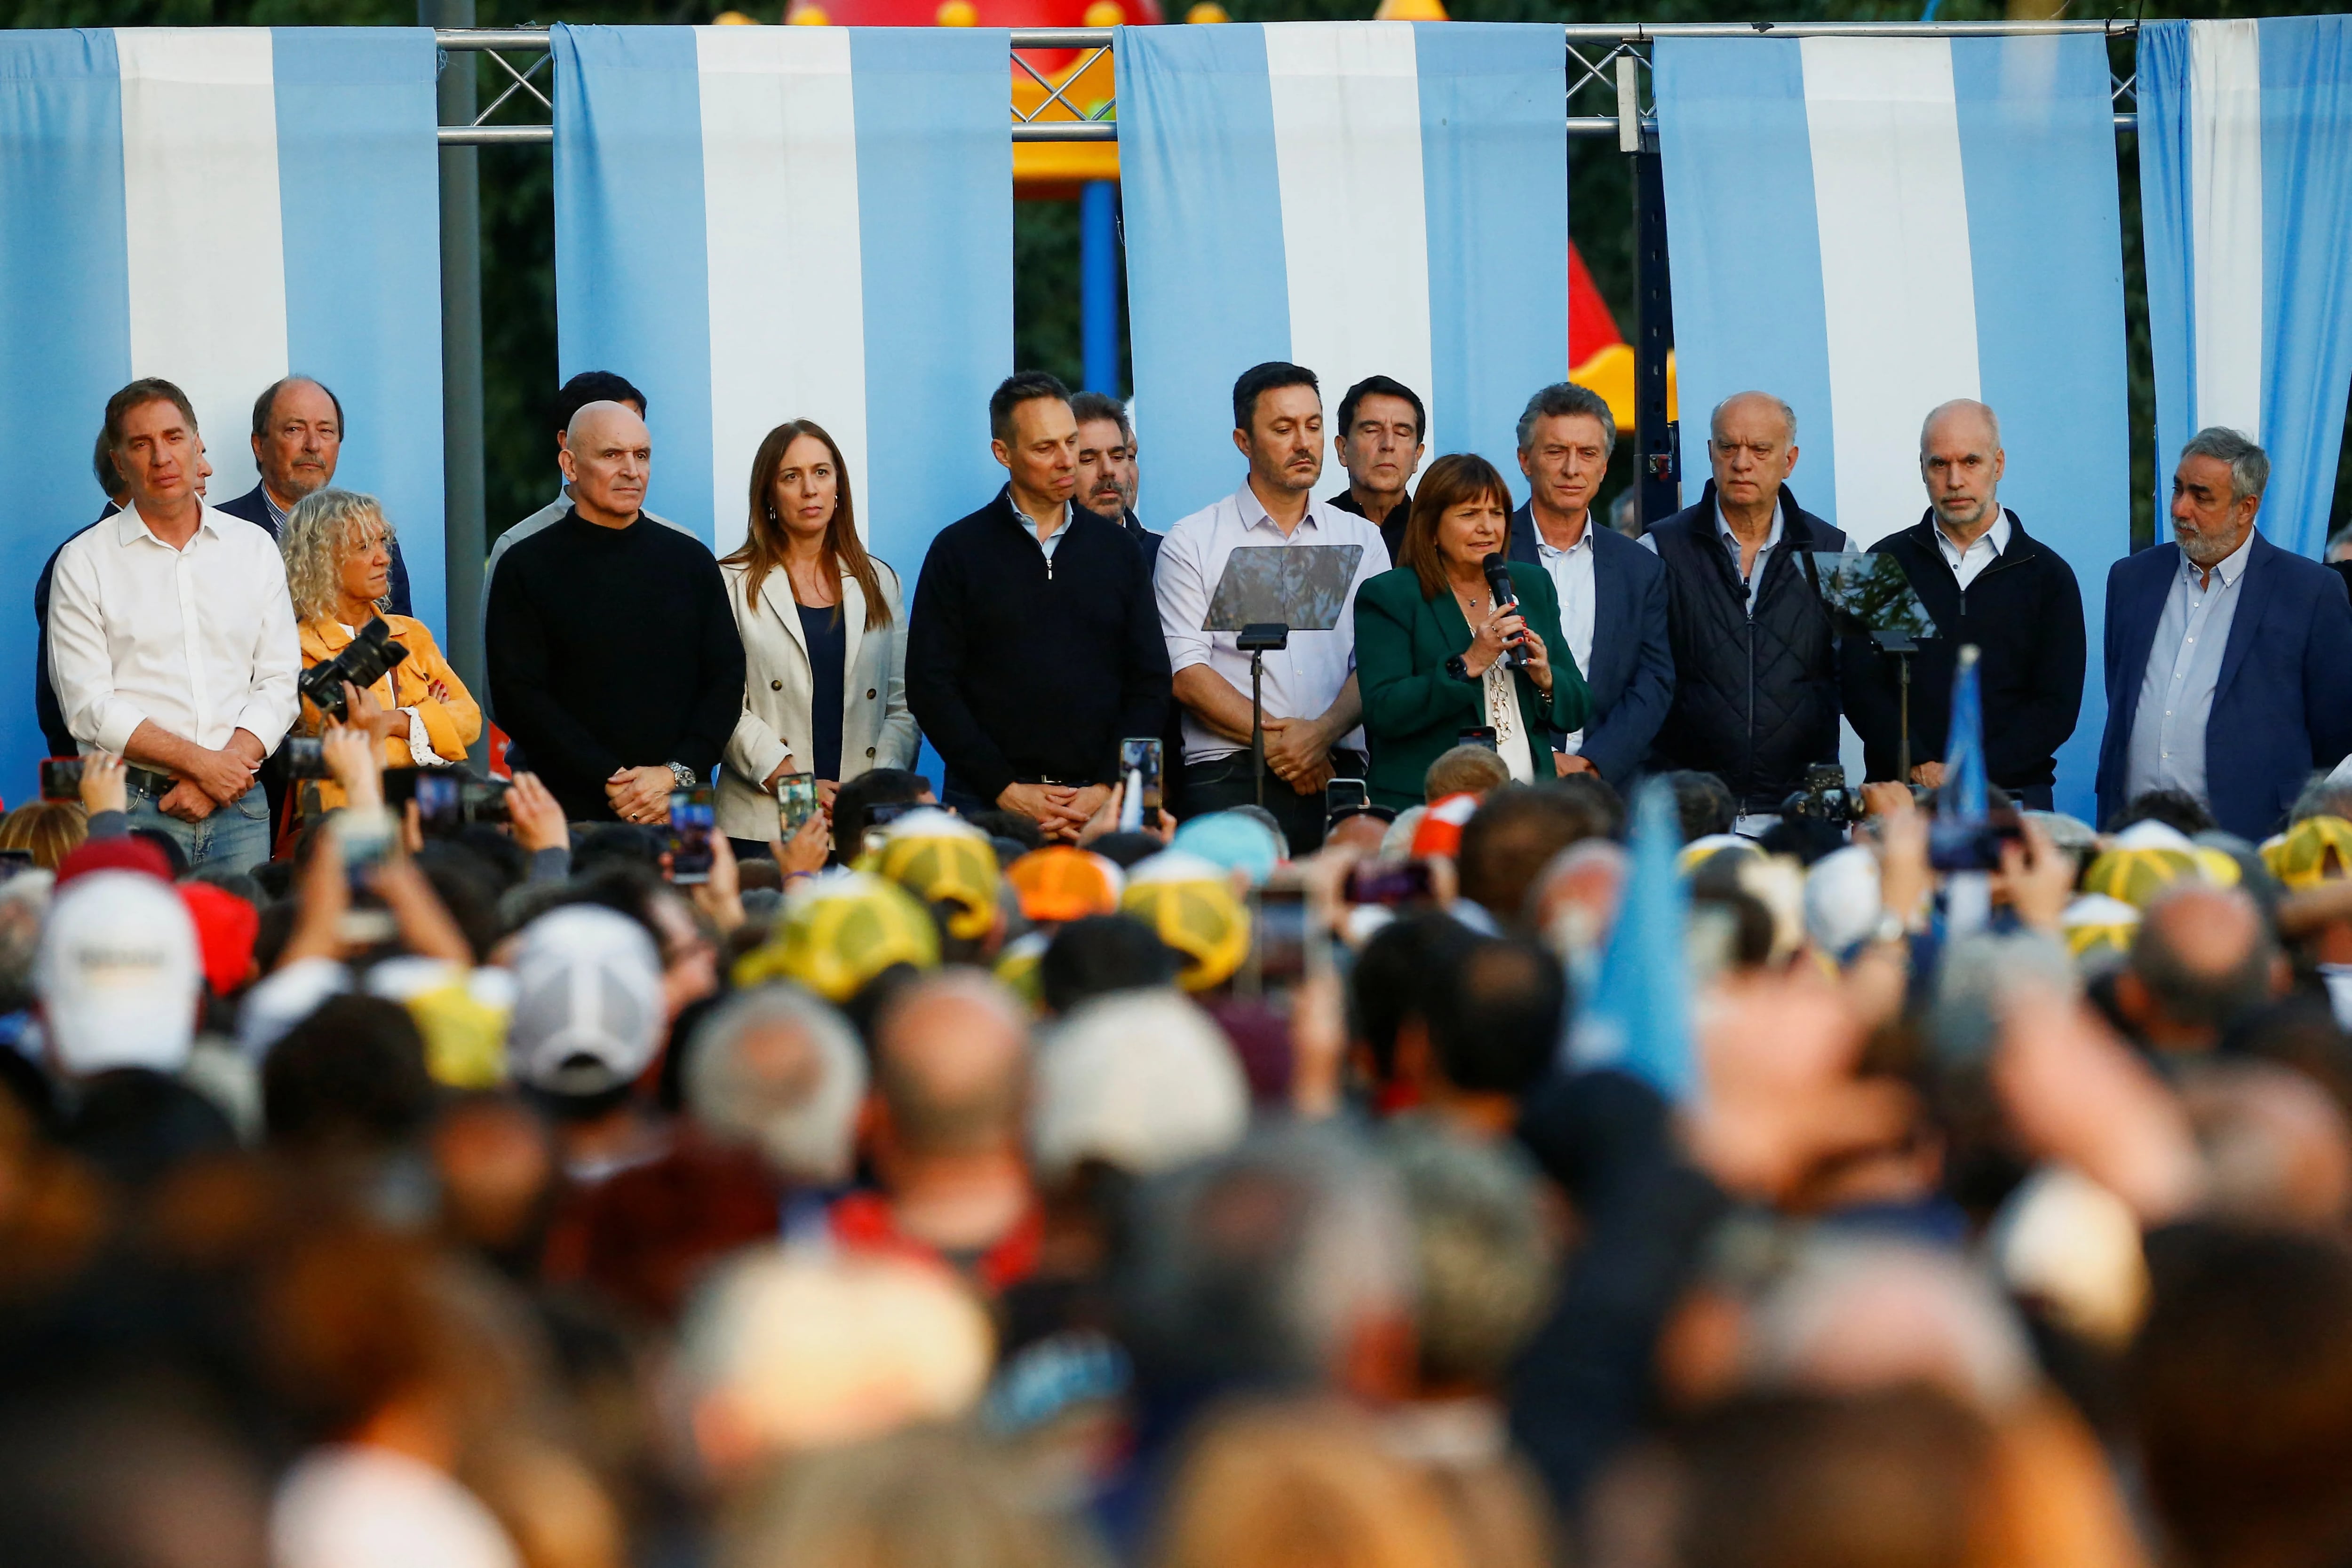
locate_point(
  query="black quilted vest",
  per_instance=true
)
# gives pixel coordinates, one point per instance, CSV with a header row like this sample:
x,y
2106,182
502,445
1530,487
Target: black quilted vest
x,y
1756,697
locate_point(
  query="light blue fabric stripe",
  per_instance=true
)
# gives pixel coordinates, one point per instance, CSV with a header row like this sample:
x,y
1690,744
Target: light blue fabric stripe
x,y
65,325
2037,155
1207,288
359,184
1745,245
2164,205
631,263
935,235
1494,175
2306,63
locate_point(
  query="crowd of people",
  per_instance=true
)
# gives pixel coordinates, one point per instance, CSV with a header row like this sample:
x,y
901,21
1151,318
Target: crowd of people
x,y
1542,1118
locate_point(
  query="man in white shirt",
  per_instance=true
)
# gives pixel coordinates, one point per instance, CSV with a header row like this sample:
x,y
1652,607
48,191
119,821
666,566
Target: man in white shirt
x,y
172,640
1310,700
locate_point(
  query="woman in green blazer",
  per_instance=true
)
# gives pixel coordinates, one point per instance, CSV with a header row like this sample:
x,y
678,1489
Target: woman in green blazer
x,y
1426,674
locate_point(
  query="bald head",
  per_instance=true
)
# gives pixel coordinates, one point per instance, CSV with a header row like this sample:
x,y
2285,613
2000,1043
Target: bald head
x,y
1961,462
952,1064
2203,958
607,458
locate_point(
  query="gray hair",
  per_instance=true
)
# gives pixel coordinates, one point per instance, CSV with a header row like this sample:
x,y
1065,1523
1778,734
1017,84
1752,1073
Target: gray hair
x,y
1259,1265
2339,539
1488,1261
2250,466
1714,416
2323,795
1559,401
798,1105
321,526
1954,405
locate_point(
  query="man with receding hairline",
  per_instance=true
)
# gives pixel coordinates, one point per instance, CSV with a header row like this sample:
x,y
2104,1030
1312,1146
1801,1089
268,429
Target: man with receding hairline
x,y
1756,669
1985,581
945,1140
613,652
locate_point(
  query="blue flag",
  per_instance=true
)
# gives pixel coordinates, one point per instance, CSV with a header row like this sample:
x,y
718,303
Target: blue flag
x,y
1964,765
1638,1018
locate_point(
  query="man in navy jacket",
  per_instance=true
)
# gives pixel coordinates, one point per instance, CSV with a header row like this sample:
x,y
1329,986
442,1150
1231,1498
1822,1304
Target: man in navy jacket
x,y
1613,602
2229,661
297,437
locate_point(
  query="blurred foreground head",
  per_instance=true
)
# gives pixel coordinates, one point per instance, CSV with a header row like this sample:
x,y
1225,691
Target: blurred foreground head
x,y
778,1069
1287,1264
787,1353
2203,958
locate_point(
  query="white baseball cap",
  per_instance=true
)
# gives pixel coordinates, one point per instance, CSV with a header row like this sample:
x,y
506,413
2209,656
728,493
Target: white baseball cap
x,y
118,975
588,1001
1139,1080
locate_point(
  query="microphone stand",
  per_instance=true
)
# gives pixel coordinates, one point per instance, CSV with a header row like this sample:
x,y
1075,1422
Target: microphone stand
x,y
1256,640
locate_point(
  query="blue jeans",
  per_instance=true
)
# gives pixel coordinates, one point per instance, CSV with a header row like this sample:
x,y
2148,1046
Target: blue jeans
x,y
235,837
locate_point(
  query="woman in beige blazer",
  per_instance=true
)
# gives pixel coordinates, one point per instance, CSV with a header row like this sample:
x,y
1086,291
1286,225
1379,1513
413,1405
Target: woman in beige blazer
x,y
824,632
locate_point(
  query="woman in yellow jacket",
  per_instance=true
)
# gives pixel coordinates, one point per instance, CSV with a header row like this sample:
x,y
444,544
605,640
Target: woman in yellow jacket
x,y
338,551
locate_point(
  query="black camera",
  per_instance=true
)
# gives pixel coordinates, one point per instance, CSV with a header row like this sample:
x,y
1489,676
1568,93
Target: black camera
x,y
362,661
1824,798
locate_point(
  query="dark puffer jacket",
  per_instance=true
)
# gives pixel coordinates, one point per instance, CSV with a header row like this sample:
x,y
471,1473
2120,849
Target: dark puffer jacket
x,y
1756,697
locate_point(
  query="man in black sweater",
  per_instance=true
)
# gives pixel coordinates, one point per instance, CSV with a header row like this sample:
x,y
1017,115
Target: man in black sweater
x,y
1034,645
613,652
1985,581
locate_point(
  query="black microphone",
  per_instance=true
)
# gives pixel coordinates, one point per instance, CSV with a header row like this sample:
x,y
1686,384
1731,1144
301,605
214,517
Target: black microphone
x,y
1498,583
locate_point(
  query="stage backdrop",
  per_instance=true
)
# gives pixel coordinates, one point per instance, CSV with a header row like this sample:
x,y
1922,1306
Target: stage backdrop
x,y
1870,227
2245,168
1357,197
763,224
218,206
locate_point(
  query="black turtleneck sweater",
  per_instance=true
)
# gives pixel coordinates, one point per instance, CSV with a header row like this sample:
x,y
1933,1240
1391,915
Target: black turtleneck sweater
x,y
612,648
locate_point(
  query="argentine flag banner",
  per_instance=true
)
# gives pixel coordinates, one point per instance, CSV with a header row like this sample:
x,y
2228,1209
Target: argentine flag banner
x,y
2245,168
218,206
1869,227
1361,198
756,224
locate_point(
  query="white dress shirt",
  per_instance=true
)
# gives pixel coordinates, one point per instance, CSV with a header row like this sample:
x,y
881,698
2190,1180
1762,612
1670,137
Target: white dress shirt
x,y
199,640
1754,581
1985,549
1570,570
1303,680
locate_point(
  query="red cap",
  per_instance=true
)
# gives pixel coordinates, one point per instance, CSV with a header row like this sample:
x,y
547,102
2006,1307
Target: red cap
x,y
227,926
1440,832
114,854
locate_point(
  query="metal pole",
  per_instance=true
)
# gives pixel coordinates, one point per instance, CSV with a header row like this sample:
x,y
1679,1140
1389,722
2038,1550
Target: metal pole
x,y
461,361
1658,472
1098,283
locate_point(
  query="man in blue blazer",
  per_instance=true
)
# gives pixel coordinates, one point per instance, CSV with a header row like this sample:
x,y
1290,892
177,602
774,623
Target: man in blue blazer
x,y
2229,661
1612,592
297,437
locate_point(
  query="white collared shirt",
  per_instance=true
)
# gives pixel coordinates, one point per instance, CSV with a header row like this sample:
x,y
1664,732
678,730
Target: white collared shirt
x,y
1730,541
1303,680
1571,573
2166,748
1983,550
199,640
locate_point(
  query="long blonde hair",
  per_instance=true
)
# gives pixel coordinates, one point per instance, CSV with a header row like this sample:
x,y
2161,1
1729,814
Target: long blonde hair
x,y
319,528
762,550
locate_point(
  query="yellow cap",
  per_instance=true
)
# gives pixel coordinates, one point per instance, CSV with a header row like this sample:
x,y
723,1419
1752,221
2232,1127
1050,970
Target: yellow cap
x,y
941,860
837,932
1192,908
2312,852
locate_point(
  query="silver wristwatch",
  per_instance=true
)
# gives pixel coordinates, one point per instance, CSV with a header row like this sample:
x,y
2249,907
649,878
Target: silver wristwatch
x,y
683,774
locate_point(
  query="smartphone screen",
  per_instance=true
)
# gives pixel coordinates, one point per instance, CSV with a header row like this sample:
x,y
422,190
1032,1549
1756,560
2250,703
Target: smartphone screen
x,y
1484,735
1345,795
61,778
1389,882
364,840
690,820
1142,756
1277,961
796,801
440,803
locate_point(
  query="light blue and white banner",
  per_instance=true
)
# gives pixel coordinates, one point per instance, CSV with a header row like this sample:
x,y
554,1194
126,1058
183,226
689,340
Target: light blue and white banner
x,y
1871,226
756,224
219,206
2245,167
1358,197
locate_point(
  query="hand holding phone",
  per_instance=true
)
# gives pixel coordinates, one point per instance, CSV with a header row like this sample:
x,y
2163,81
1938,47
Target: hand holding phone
x,y
691,824
797,801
